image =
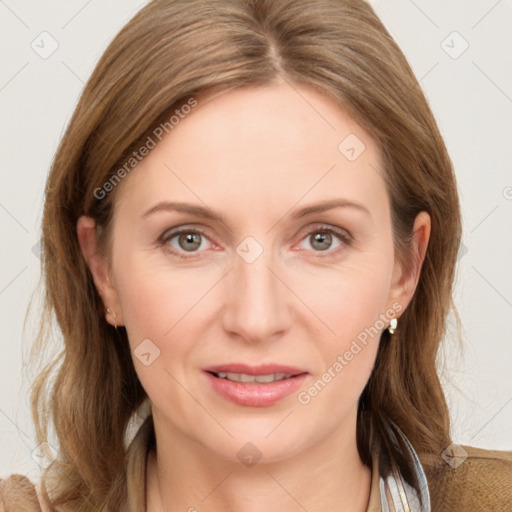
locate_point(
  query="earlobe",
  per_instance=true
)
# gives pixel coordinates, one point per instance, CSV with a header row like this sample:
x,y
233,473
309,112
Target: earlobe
x,y
97,263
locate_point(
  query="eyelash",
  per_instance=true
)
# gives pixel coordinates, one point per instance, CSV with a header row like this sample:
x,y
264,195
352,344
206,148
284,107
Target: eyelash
x,y
344,237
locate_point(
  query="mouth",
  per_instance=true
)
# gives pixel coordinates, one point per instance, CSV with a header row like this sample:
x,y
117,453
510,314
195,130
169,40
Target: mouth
x,y
254,386
260,379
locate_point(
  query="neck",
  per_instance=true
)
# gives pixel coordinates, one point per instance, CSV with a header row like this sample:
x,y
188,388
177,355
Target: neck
x,y
183,475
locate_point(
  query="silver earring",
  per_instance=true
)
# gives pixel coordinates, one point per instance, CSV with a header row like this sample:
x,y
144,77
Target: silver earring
x,y
392,325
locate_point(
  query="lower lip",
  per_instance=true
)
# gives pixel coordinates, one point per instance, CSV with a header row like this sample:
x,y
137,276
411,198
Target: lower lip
x,y
255,394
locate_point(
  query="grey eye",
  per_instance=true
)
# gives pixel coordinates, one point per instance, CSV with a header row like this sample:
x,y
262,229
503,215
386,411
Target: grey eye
x,y
321,241
189,241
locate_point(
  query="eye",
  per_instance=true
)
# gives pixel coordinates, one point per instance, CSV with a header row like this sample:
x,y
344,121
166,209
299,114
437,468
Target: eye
x,y
322,238
185,240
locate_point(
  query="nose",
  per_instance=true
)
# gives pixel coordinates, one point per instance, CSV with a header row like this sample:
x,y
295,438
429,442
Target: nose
x,y
257,305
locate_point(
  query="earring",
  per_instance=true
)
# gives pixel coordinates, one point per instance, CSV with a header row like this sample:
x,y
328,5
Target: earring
x,y
392,325
114,314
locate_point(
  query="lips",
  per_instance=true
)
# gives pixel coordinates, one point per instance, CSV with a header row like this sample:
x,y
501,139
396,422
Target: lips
x,y
254,386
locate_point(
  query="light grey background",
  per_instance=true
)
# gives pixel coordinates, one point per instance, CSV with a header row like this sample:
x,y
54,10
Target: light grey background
x,y
469,92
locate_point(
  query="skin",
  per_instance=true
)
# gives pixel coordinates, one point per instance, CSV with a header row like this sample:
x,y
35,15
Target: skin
x,y
254,155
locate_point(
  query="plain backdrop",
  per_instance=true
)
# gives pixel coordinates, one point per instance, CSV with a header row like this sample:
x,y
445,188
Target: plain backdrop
x,y
460,53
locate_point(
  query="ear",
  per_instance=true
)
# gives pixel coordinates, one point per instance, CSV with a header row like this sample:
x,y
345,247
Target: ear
x,y
98,265
405,280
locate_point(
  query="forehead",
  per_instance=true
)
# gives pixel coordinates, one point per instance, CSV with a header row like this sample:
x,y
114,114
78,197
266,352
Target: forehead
x,y
260,147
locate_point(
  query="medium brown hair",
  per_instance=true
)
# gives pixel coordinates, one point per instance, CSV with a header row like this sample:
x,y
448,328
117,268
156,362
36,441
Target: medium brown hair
x,y
174,50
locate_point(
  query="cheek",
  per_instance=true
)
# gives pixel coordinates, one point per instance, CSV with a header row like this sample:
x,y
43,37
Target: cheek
x,y
161,312
351,307
349,299
165,310
154,298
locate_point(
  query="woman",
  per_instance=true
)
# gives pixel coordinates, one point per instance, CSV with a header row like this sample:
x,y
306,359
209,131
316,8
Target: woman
x,y
250,234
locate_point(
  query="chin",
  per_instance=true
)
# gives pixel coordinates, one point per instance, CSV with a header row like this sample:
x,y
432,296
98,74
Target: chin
x,y
259,441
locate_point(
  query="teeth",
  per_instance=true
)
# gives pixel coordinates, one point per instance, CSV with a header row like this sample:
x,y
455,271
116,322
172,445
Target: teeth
x,y
261,379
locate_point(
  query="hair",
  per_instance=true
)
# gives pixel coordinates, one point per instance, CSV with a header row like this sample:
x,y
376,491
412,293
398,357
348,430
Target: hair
x,y
175,50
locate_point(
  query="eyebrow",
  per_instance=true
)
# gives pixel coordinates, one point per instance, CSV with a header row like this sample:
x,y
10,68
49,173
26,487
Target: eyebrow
x,y
207,213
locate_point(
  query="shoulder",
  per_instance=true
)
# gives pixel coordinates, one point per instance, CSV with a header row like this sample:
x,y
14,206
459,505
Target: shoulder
x,y
18,494
470,478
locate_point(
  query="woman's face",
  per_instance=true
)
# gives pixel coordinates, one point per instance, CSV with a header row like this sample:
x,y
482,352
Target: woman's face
x,y
226,267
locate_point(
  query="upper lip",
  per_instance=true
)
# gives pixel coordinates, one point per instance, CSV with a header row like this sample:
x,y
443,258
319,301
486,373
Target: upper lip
x,y
263,369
